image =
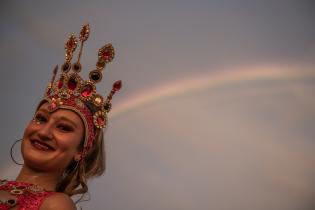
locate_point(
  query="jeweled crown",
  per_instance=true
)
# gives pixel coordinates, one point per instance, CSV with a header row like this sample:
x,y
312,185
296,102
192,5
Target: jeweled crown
x,y
71,92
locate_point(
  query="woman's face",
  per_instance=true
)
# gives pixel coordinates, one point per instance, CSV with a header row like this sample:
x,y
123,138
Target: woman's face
x,y
51,140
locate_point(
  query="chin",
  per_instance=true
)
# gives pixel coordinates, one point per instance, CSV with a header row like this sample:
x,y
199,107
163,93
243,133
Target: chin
x,y
41,159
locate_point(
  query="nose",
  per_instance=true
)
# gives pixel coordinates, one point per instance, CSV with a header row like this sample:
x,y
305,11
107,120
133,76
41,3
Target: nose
x,y
45,132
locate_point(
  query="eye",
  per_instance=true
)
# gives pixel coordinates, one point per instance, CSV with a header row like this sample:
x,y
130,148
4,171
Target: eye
x,y
40,118
65,128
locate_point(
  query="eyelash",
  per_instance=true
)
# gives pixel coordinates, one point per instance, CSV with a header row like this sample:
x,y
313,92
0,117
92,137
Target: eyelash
x,y
65,128
39,119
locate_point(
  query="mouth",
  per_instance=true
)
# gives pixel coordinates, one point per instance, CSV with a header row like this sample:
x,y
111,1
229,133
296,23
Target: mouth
x,y
40,145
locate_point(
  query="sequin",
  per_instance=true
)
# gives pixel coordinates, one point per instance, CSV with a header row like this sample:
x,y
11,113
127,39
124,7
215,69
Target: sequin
x,y
31,198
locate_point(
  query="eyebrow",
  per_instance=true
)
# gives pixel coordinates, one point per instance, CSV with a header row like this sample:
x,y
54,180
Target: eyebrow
x,y
59,118
43,110
68,120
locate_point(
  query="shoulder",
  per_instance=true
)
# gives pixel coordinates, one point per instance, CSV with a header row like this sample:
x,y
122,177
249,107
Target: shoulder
x,y
58,201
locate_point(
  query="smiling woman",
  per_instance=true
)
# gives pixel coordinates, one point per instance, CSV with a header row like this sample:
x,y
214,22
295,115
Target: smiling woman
x,y
38,149
63,146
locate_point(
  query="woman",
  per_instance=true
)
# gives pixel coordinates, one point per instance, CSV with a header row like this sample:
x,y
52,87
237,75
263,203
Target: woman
x,y
62,146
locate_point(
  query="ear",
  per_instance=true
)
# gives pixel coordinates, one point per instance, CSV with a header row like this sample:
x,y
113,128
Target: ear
x,y
78,156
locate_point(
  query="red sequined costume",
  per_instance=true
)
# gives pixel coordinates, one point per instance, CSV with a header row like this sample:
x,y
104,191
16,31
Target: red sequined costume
x,y
27,196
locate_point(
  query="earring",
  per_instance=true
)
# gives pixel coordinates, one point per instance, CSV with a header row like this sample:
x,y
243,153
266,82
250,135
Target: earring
x,y
11,152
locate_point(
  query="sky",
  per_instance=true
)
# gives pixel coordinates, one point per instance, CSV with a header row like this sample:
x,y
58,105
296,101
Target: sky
x,y
217,109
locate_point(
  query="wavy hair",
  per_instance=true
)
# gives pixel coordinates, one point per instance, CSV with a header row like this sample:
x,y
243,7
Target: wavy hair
x,y
75,176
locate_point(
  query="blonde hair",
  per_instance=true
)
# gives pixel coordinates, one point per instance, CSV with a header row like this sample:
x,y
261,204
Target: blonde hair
x,y
74,179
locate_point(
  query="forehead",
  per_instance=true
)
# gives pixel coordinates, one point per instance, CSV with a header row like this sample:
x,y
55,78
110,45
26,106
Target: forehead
x,y
69,114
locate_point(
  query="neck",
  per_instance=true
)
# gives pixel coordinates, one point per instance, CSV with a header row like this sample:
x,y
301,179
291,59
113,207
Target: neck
x,y
47,180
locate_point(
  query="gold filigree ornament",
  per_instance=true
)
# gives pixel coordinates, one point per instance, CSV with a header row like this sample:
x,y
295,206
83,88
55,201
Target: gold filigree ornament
x,y
55,104
100,119
87,91
16,192
98,100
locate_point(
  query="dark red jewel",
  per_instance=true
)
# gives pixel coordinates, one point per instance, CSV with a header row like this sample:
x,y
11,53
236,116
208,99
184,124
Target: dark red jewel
x,y
53,105
71,44
85,32
65,67
72,83
100,121
106,55
77,67
87,91
117,85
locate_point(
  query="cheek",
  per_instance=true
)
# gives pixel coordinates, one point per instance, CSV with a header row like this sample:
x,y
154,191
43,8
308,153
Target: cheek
x,y
30,128
27,133
68,142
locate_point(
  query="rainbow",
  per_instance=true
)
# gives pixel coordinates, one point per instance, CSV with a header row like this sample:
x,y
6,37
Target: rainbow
x,y
212,80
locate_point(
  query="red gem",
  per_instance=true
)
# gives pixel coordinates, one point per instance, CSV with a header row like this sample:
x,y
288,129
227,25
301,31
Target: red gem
x,y
53,105
117,85
72,84
72,43
100,121
106,55
87,91
60,83
84,34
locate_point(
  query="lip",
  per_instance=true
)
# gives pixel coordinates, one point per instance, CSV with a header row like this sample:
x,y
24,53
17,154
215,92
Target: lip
x,y
40,145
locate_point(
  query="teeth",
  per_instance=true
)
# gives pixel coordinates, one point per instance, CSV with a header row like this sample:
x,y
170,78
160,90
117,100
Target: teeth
x,y
43,146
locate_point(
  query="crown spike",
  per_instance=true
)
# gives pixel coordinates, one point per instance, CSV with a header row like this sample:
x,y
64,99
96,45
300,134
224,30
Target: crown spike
x,y
54,74
84,35
70,46
116,87
85,32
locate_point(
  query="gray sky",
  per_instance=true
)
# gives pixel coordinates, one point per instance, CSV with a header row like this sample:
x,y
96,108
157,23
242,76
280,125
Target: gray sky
x,y
217,109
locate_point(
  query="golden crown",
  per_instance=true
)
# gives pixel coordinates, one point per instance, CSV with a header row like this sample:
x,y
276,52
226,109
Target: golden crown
x,y
71,92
